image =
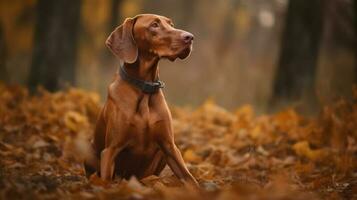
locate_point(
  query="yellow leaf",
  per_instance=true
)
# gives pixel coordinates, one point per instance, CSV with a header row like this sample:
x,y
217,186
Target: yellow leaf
x,y
74,121
303,149
191,156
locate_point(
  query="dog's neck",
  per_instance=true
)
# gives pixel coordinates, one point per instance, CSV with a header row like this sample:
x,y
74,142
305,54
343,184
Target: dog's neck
x,y
144,68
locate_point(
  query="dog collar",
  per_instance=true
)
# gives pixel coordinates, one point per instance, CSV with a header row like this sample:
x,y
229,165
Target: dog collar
x,y
145,86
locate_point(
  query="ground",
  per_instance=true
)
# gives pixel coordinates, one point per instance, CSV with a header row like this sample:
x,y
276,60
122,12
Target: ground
x,y
44,138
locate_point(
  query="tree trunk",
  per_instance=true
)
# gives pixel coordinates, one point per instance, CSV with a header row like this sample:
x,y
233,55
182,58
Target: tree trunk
x,y
114,18
54,54
355,38
295,75
106,57
3,70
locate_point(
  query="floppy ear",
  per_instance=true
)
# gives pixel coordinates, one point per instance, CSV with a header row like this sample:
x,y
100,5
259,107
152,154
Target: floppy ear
x,y
121,42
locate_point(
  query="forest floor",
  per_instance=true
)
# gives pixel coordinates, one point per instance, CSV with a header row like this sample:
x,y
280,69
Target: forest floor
x,y
233,155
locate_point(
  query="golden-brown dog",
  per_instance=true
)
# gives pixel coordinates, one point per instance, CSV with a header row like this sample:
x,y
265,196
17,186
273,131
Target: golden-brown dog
x,y
133,135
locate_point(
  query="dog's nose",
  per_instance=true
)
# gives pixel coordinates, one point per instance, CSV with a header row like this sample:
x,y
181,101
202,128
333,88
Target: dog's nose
x,y
187,37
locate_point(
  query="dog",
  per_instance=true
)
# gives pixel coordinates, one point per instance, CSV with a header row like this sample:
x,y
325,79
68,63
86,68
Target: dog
x,y
134,134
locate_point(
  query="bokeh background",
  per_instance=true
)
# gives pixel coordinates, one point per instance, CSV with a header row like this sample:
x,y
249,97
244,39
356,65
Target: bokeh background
x,y
267,53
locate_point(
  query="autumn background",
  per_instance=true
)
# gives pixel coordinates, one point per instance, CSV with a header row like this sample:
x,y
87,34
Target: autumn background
x,y
263,108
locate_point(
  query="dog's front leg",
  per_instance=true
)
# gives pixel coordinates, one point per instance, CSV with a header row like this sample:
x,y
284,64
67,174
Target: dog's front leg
x,y
175,161
115,142
107,162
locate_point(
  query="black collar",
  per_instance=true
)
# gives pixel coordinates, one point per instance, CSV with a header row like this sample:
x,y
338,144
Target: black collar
x,y
145,86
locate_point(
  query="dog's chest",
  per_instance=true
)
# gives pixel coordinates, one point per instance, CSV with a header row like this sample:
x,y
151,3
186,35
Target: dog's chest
x,y
142,130
140,122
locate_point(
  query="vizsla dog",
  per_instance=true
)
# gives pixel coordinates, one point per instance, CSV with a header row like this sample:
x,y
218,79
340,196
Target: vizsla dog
x,y
133,135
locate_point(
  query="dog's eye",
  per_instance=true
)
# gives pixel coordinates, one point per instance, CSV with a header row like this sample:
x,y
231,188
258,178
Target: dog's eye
x,y
155,25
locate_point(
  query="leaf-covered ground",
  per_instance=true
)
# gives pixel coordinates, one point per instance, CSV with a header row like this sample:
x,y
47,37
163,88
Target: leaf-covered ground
x,y
233,155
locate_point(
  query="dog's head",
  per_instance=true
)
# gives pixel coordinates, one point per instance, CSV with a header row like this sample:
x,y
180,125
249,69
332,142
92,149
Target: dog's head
x,y
151,35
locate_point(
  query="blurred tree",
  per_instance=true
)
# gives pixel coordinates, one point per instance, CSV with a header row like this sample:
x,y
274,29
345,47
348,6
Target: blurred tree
x,y
295,75
114,20
355,39
115,15
3,70
55,47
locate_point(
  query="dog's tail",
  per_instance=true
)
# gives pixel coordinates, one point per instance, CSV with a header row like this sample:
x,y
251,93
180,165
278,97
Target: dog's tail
x,y
90,161
81,149
89,169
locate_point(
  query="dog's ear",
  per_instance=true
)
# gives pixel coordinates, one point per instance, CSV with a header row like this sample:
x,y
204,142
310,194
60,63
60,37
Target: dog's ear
x,y
121,42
